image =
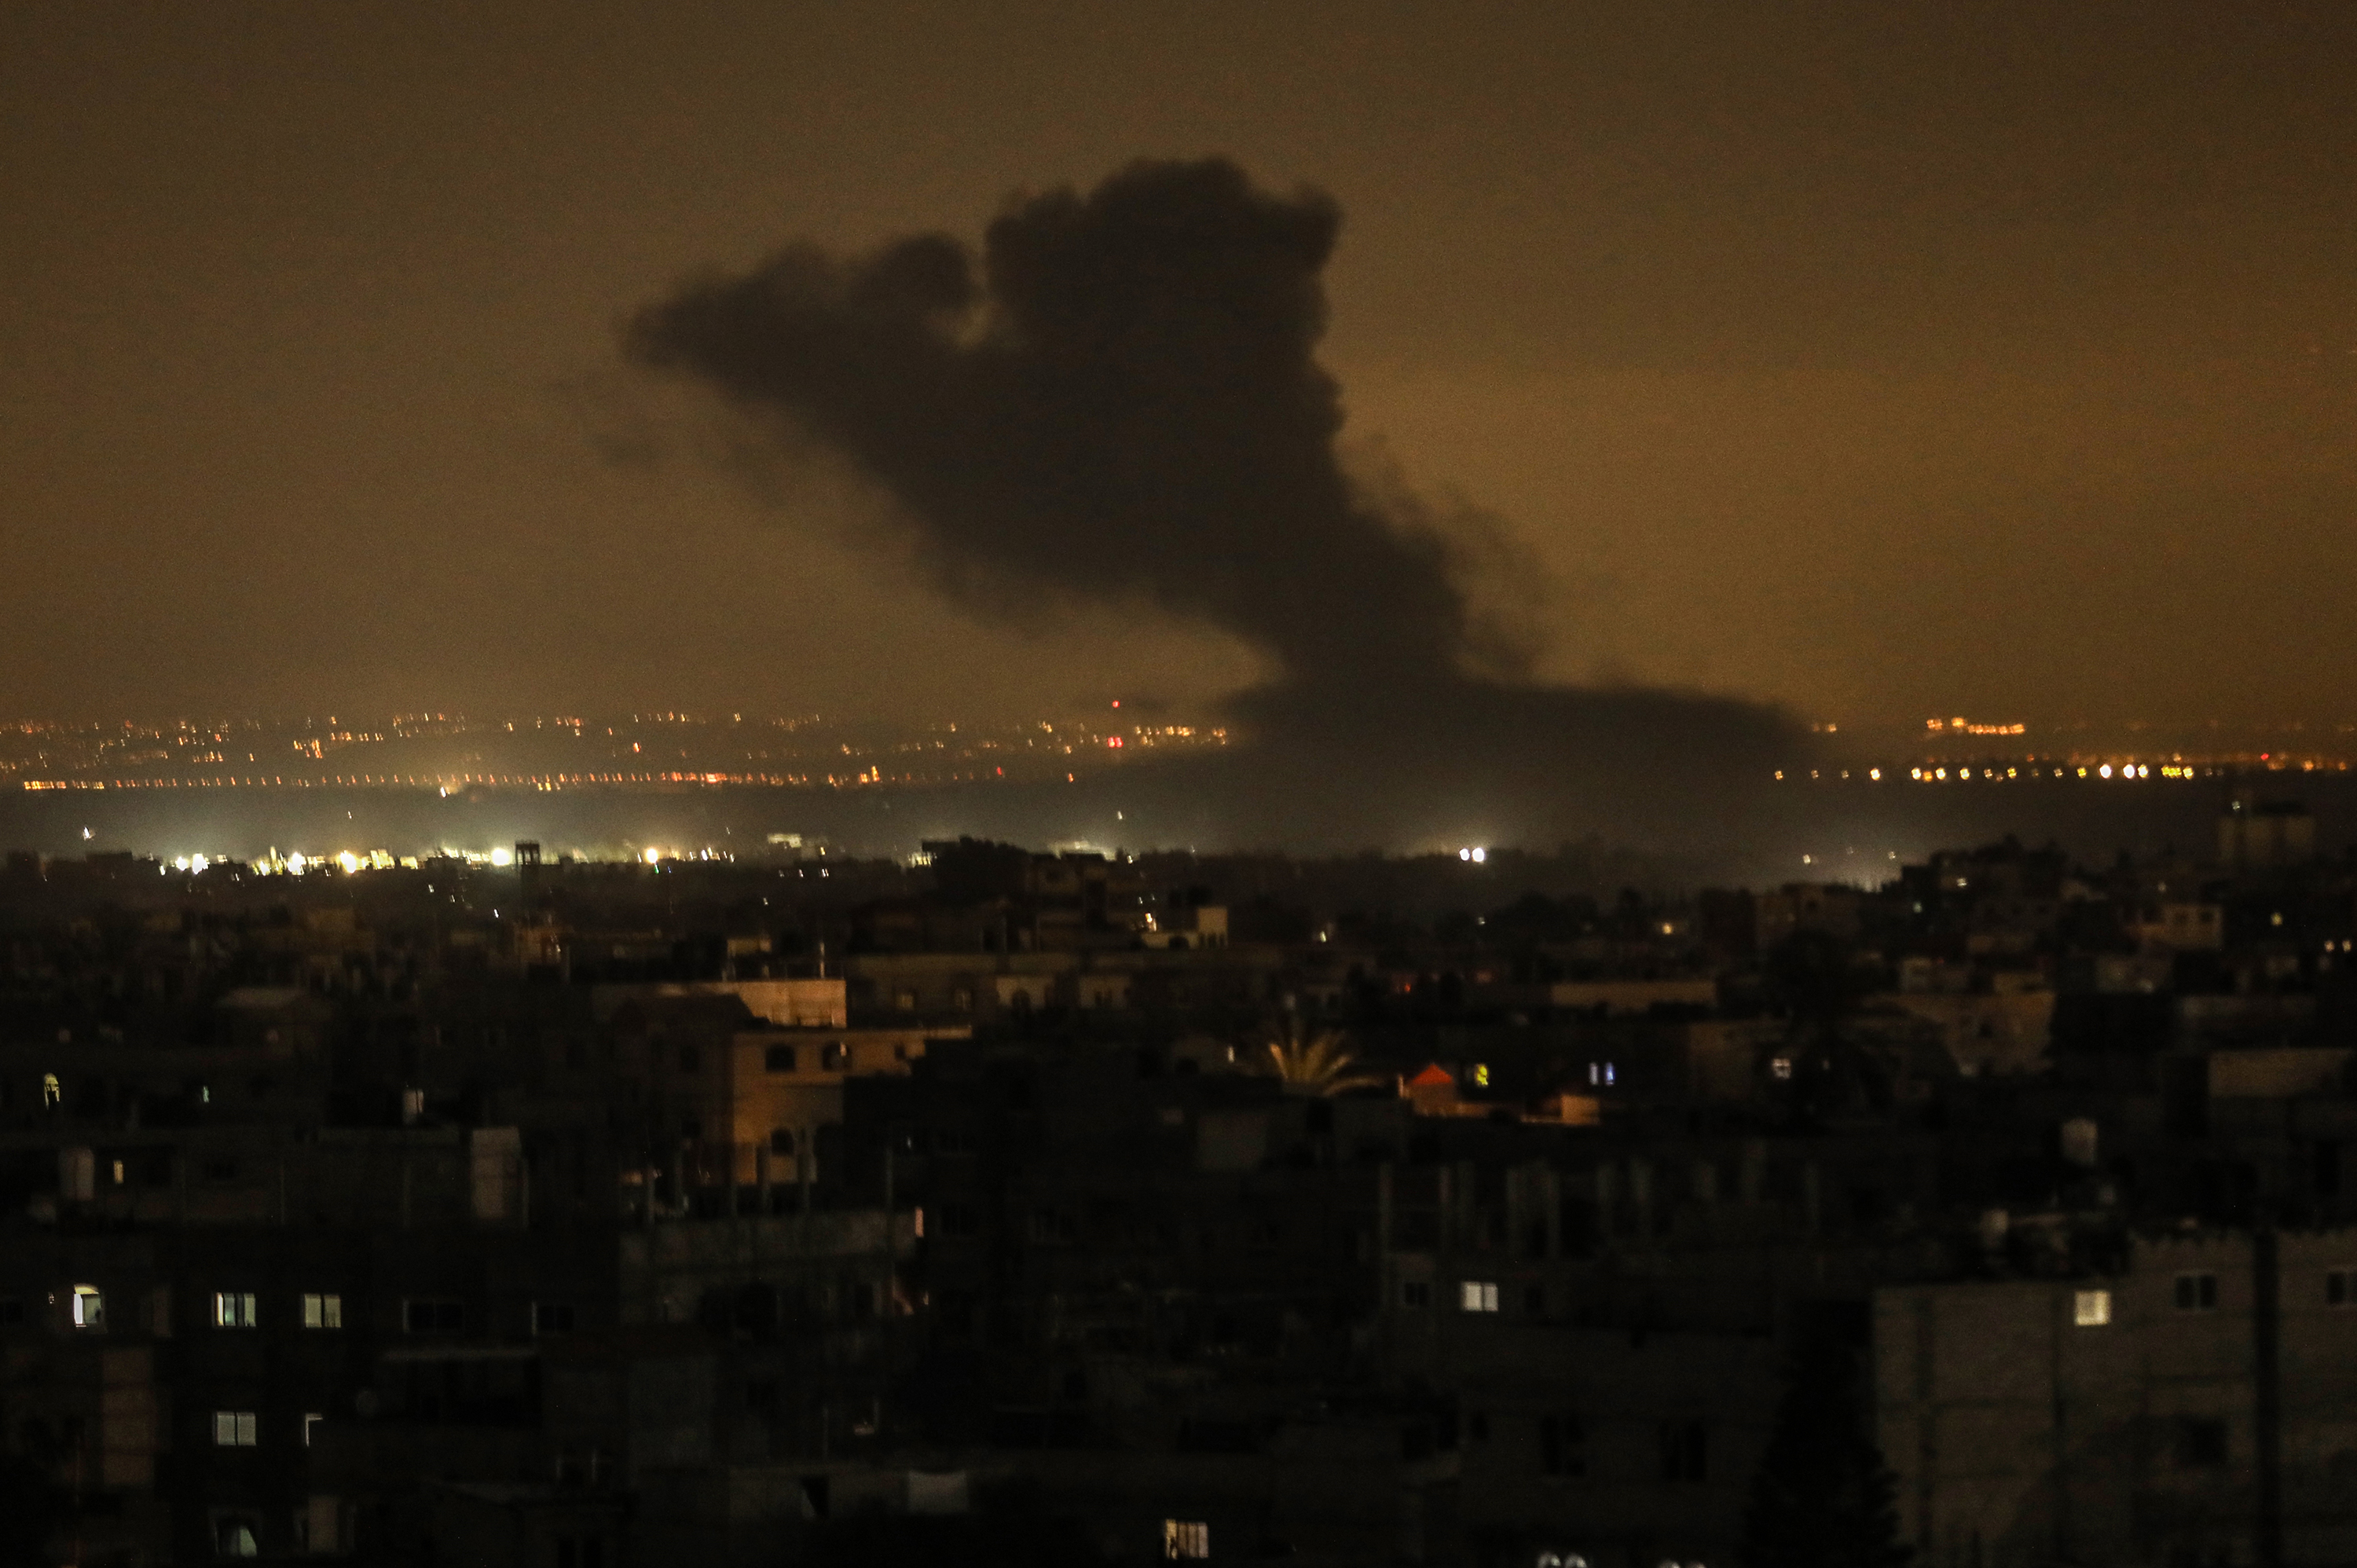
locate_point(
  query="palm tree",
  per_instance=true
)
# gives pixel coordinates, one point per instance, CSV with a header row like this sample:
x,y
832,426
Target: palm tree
x,y
1317,1063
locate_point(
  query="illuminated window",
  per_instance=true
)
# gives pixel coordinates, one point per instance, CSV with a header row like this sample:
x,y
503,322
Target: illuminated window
x,y
1481,1074
311,1421
88,1307
234,1536
323,1312
2091,1308
52,1091
1781,1067
2197,1293
1476,1295
233,1309
1185,1539
233,1428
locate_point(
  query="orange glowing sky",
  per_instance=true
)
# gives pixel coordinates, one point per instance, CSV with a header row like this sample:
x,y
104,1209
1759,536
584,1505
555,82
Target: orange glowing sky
x,y
1874,359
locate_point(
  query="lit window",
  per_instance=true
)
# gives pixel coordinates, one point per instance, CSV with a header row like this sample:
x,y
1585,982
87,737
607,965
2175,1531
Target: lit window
x,y
2197,1293
311,1420
233,1309
1185,1539
2091,1308
1781,1067
88,1307
233,1428
323,1312
234,1536
1476,1295
1481,1074
52,1091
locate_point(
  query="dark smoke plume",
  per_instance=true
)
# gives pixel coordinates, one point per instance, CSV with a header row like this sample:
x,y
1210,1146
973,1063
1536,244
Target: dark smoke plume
x,y
1125,404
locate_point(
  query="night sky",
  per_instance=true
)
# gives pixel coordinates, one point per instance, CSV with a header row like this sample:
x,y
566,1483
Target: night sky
x,y
1872,360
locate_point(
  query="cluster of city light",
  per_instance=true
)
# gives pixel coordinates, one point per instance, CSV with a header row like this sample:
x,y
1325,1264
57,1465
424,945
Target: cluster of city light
x,y
661,858
1960,727
350,862
1940,775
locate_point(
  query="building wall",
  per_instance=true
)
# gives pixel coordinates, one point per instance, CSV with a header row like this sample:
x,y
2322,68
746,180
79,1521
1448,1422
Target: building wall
x,y
2020,1434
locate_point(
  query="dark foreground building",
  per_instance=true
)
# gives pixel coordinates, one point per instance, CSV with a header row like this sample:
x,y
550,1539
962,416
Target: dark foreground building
x,y
704,1222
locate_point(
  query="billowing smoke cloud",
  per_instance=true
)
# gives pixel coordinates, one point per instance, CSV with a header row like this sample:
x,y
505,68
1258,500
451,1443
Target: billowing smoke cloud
x,y
1121,400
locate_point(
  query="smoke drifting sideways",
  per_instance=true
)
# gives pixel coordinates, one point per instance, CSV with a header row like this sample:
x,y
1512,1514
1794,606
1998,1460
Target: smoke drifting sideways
x,y
1120,401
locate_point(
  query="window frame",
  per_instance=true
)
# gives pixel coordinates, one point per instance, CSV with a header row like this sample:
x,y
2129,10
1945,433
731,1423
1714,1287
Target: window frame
x,y
236,1309
442,1306
1185,1540
2195,1291
1563,1447
1685,1451
2202,1442
223,1522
